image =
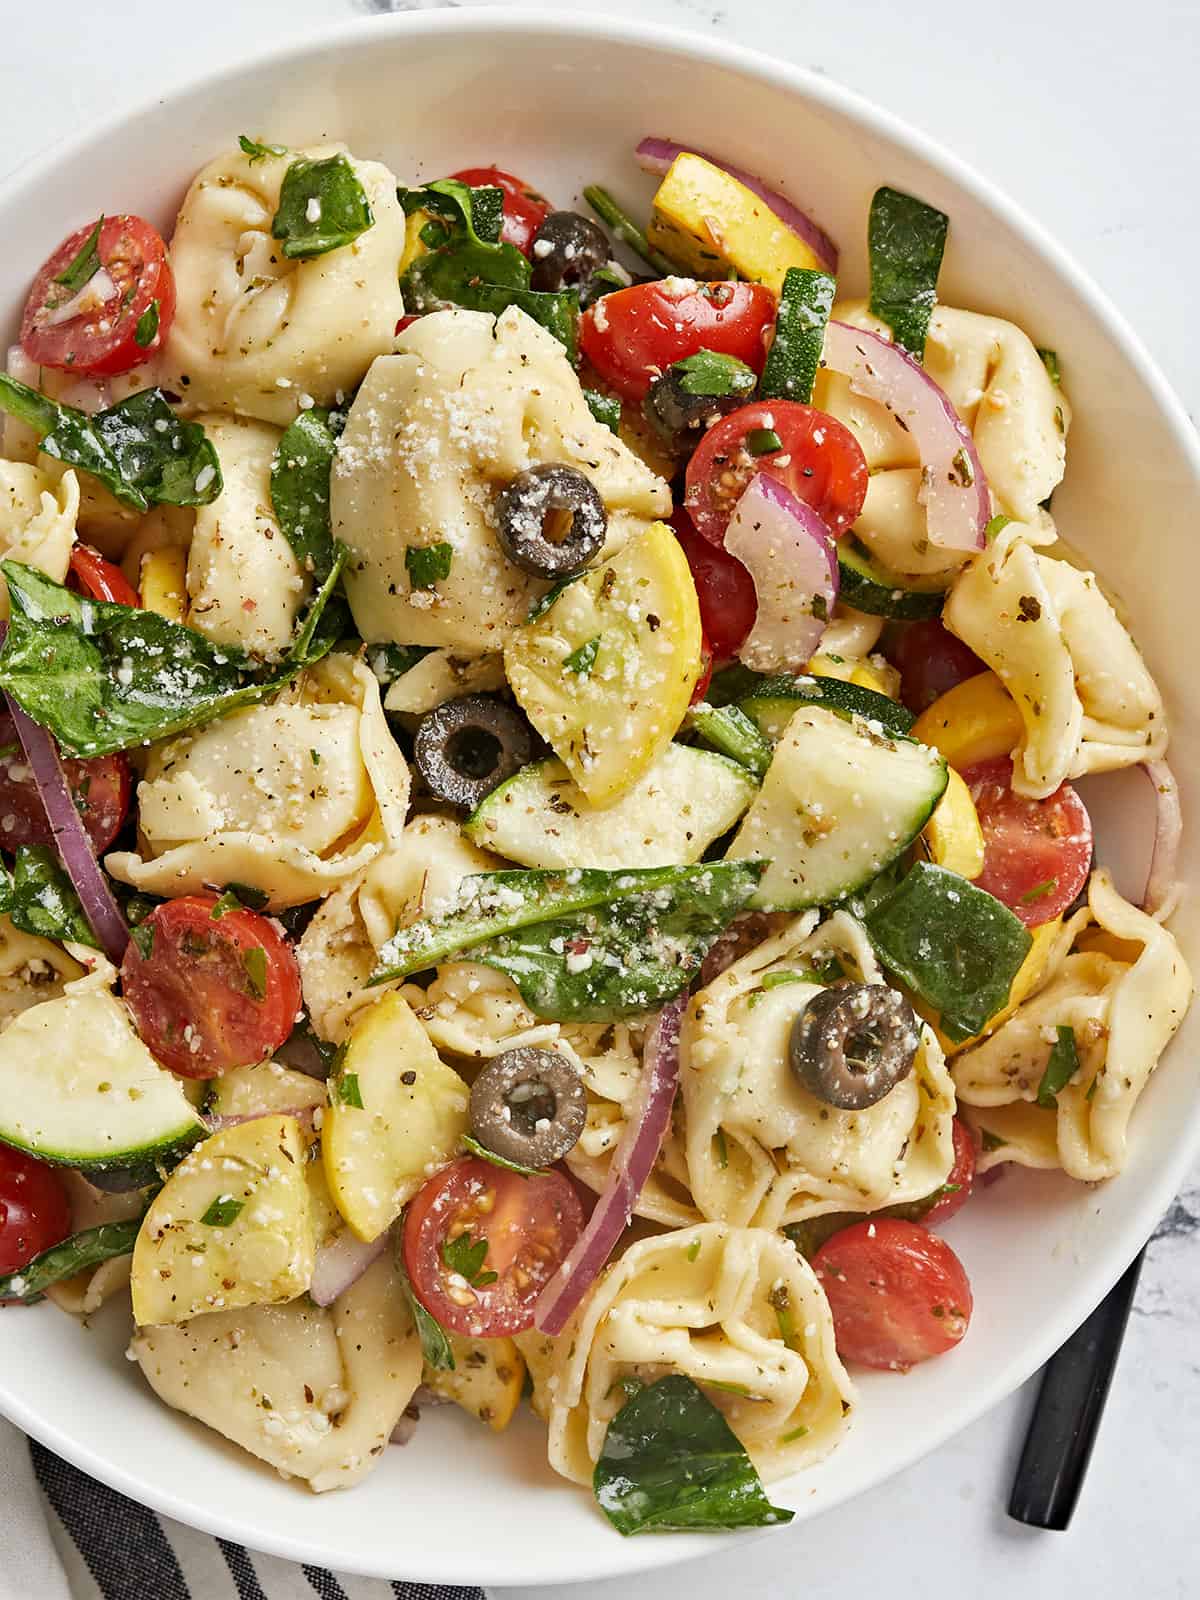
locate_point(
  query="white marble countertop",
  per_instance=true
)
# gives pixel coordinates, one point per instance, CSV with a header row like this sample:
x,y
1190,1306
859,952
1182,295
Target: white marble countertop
x,y
1087,113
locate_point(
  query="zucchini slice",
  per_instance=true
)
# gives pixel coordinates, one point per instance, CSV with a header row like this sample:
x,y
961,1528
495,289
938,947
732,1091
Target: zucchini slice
x,y
867,586
773,704
230,1227
839,803
78,1087
669,817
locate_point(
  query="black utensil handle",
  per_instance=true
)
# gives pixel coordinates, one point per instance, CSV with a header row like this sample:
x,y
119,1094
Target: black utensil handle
x,y
1068,1409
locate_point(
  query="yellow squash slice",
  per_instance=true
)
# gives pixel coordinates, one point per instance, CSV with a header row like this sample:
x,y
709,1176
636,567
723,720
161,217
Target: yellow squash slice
x,y
229,1228
606,673
487,1380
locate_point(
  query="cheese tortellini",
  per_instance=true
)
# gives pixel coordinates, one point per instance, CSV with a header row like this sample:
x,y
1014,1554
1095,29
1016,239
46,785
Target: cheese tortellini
x,y
257,333
245,585
338,950
291,798
313,1391
37,521
1018,417
737,1310
760,1148
1123,993
1086,699
466,403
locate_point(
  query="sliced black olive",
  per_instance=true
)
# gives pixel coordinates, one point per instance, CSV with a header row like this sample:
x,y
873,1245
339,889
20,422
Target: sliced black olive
x,y
853,1044
567,249
528,1106
551,521
681,416
464,748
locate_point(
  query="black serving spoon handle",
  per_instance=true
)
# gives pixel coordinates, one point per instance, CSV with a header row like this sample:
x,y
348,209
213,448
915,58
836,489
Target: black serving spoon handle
x,y
1068,1409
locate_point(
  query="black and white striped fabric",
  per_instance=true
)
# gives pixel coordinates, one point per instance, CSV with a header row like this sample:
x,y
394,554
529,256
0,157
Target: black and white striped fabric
x,y
103,1546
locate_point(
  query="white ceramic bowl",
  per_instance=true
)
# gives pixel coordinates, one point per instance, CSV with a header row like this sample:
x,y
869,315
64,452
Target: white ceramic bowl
x,y
563,101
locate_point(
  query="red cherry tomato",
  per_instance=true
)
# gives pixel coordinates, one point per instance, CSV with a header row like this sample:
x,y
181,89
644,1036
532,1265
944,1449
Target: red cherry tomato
x,y
931,661
633,335
958,1186
898,1293
101,789
93,328
818,459
213,992
524,208
100,579
407,321
526,1224
1037,853
35,1211
707,661
724,588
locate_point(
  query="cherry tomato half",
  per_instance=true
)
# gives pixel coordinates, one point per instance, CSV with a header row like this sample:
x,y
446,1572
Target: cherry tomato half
x,y
930,660
525,1225
35,1211
94,328
817,458
101,789
897,1292
100,579
634,334
725,590
213,992
958,1186
1037,853
524,208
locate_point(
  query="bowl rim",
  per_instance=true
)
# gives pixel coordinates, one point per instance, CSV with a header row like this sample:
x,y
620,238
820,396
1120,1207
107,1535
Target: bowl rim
x,y
1127,1238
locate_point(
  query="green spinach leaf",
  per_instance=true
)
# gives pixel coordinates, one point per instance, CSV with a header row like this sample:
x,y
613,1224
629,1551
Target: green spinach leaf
x,y
105,677
74,1254
708,372
300,471
41,899
671,1463
587,945
322,206
606,409
436,1349
140,450
905,241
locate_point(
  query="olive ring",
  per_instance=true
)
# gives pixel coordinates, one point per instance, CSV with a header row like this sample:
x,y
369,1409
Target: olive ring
x,y
853,1044
529,1106
551,521
465,748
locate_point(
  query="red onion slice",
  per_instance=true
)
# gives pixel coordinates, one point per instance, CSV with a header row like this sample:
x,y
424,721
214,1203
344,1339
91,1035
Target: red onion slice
x,y
954,490
341,1262
645,1129
66,825
407,1425
218,1124
1162,883
786,549
656,156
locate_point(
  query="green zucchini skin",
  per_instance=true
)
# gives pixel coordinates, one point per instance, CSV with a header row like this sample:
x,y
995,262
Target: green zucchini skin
x,y
867,586
771,705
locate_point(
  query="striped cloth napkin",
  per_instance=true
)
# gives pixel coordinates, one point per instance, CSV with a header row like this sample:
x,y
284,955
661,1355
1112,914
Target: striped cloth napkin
x,y
64,1536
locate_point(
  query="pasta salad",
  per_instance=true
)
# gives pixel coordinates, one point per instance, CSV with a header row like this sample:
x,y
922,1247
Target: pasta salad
x,y
541,856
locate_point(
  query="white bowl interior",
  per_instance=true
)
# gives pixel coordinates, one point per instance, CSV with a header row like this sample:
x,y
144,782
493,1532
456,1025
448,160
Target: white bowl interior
x,y
563,102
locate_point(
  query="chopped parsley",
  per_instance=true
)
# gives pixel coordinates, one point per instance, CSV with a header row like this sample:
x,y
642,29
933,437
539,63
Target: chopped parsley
x,y
254,961
1061,1067
346,1088
146,331
466,1256
427,564
85,264
223,1210
257,151
763,441
582,661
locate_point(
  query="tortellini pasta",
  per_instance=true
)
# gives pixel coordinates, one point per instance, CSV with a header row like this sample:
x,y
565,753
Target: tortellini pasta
x,y
737,1310
292,797
440,676
37,521
314,1392
1018,418
760,1148
260,334
466,403
245,585
1086,699
338,950
31,969
1123,1012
